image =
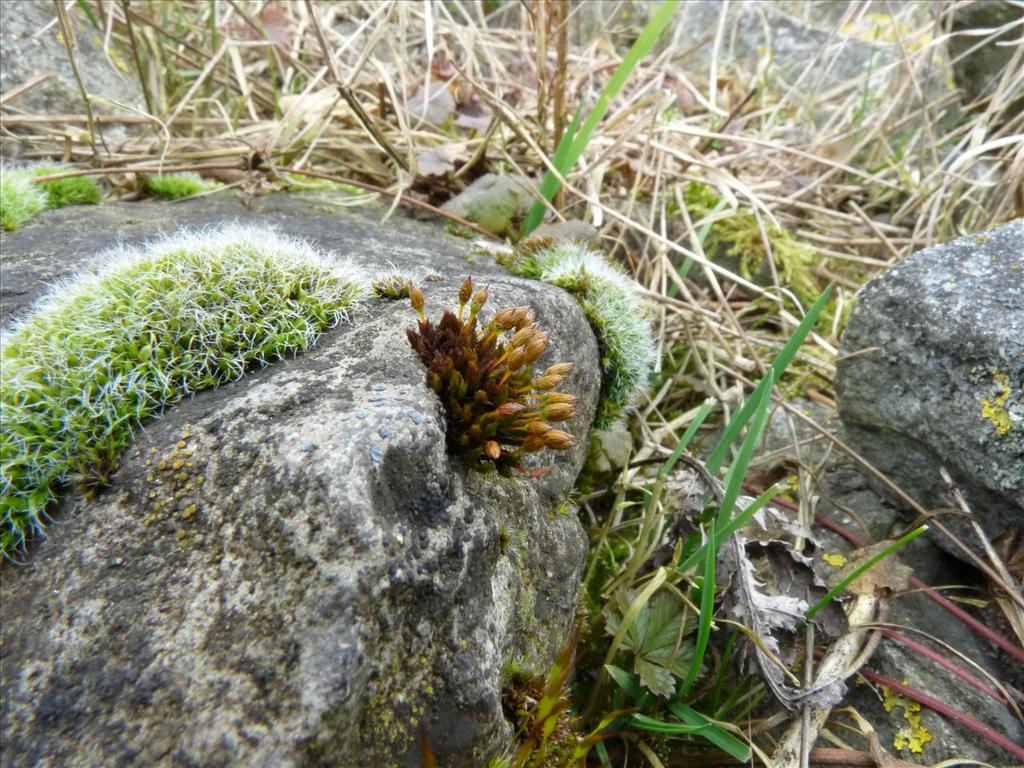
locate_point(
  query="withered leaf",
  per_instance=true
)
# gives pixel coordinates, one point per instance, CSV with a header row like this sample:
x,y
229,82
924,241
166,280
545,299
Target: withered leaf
x,y
438,161
886,576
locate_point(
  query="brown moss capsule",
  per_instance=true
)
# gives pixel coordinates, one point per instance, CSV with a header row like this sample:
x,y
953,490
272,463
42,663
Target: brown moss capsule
x,y
416,299
558,440
559,412
479,300
508,410
558,369
466,290
496,410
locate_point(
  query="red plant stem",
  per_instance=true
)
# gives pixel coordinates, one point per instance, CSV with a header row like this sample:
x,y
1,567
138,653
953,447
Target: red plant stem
x,y
947,711
1014,650
943,661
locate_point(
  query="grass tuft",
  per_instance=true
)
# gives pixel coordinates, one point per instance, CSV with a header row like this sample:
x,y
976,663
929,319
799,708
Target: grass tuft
x,y
142,331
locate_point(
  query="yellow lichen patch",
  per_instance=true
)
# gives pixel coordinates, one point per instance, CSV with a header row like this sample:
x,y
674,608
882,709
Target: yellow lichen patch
x,y
913,736
836,561
993,409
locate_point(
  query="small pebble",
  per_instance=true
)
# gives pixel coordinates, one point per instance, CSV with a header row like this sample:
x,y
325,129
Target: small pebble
x,y
376,454
307,447
416,418
377,387
361,414
384,432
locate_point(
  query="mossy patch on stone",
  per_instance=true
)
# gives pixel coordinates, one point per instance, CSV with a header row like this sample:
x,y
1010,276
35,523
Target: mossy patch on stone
x,y
174,186
616,315
143,330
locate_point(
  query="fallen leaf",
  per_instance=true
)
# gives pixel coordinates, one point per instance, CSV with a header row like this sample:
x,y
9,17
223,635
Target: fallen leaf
x,y
433,105
884,577
438,161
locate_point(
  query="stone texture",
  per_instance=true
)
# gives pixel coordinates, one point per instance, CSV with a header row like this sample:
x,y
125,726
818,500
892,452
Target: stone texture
x,y
931,373
29,36
979,64
753,30
334,581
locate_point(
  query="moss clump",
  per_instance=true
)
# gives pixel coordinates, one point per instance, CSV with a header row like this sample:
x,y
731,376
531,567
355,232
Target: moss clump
x,y
497,411
615,313
739,236
144,330
391,286
20,199
74,190
173,186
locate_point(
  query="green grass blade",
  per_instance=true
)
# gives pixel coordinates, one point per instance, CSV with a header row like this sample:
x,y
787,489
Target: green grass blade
x,y
782,361
733,525
707,612
670,462
578,144
733,486
645,723
88,14
713,733
625,681
899,544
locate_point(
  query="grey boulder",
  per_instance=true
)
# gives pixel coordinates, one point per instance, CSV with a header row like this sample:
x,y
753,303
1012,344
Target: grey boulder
x,y
931,374
290,570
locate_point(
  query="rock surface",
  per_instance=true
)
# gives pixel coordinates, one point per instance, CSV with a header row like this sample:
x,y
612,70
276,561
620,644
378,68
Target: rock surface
x,y
979,64
318,579
931,373
29,36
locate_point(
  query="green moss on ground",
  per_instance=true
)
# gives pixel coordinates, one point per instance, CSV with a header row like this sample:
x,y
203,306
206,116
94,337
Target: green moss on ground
x,y
174,186
739,236
21,199
144,330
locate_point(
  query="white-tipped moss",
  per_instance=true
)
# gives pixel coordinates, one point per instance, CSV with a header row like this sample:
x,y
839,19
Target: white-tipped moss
x,y
20,199
607,296
143,329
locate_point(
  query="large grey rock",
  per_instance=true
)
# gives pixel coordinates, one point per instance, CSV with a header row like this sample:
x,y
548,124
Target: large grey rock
x,y
980,60
807,47
931,373
319,579
29,37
